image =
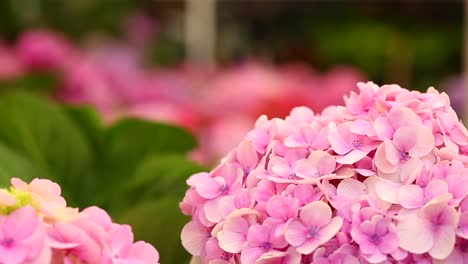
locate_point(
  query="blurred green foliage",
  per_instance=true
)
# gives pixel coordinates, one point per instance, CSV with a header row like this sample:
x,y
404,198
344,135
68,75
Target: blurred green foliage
x,y
134,169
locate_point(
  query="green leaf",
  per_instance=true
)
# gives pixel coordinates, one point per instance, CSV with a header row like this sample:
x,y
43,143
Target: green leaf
x,y
37,82
159,222
157,176
90,123
135,136
45,135
14,165
132,140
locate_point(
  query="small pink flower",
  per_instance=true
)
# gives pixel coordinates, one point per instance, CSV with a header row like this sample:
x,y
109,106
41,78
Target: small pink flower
x,y
212,186
262,242
431,230
352,145
454,133
317,165
397,117
314,227
376,238
392,155
313,137
214,254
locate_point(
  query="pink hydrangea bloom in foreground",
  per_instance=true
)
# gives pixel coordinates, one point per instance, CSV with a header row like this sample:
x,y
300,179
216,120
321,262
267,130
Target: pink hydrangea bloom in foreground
x,y
37,227
382,179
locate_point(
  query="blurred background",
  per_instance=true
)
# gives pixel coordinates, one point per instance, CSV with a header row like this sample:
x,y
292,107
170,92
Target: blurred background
x,y
121,100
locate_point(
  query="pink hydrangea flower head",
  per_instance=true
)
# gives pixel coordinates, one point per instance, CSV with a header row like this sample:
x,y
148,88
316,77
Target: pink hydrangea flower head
x,y
382,179
37,227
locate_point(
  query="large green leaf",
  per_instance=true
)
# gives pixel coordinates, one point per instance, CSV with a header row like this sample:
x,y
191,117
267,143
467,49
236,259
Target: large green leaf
x,y
135,136
34,82
130,141
45,135
14,165
159,222
156,177
89,122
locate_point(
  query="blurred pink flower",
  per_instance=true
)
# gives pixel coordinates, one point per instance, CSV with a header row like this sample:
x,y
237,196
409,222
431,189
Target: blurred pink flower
x,y
43,50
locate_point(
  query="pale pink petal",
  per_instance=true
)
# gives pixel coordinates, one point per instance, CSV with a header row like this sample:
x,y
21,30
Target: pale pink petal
x,y
250,255
213,209
316,214
281,207
411,196
280,167
193,237
233,236
295,233
352,157
208,188
403,116
410,170
436,188
19,184
337,142
383,128
305,168
444,242
415,233
387,191
16,255
45,188
329,231
462,230
143,252
121,237
326,164
381,161
21,223
425,141
404,138
246,155
351,188
309,246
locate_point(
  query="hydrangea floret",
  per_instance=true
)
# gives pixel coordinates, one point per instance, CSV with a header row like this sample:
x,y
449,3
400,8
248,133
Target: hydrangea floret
x,y
382,179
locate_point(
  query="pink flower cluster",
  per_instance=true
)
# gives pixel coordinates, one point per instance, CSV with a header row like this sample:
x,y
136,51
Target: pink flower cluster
x,y
383,179
37,227
111,76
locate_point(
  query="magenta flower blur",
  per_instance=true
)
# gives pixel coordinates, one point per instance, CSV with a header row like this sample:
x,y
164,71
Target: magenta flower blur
x,y
382,179
36,227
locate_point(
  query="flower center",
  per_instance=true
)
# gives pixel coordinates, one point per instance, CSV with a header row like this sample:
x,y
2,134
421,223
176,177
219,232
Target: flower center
x,y
313,231
225,256
266,246
7,242
404,155
375,239
223,189
293,177
356,143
